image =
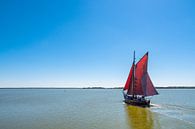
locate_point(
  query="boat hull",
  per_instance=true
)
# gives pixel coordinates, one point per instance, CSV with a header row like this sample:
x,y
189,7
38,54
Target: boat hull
x,y
137,101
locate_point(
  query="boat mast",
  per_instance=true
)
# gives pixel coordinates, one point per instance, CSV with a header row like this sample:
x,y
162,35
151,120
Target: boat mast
x,y
133,77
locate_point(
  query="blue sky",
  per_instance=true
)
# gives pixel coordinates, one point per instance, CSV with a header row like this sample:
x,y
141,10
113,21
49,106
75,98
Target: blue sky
x,y
80,43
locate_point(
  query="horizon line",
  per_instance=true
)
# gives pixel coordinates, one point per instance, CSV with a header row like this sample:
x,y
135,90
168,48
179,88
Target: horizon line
x,y
95,87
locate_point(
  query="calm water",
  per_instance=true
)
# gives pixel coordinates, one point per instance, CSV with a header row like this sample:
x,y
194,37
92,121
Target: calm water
x,y
93,109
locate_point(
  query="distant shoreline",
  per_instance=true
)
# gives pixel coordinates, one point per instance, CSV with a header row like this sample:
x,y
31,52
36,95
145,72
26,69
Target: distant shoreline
x,y
169,87
176,87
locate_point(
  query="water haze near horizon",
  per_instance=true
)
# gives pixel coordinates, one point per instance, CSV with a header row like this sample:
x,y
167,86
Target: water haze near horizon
x,y
94,109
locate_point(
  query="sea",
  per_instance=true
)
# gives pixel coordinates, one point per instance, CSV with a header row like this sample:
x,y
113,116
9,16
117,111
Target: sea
x,y
94,109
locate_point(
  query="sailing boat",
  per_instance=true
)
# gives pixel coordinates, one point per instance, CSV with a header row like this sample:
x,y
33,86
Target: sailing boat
x,y
139,85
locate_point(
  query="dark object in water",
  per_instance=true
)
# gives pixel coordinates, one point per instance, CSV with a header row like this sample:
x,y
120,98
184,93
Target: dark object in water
x,y
138,101
138,84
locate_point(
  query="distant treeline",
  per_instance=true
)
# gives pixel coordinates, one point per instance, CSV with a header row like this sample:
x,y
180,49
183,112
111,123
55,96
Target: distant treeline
x,y
168,87
177,87
160,87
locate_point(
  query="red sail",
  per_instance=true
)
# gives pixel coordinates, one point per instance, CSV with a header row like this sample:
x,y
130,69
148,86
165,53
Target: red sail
x,y
128,84
149,87
143,84
140,83
141,69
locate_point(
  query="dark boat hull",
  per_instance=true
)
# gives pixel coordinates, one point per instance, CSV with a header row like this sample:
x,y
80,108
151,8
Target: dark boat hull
x,y
137,102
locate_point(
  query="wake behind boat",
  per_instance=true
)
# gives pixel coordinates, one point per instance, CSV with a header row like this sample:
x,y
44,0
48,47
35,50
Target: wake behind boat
x,y
139,85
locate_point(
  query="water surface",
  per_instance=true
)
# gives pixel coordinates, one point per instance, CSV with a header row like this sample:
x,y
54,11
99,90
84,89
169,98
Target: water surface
x,y
93,109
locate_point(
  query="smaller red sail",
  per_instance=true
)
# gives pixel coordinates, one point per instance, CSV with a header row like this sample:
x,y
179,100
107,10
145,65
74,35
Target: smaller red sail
x,y
128,84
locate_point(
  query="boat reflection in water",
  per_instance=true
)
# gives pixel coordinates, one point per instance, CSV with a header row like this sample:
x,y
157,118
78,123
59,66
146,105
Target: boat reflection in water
x,y
139,118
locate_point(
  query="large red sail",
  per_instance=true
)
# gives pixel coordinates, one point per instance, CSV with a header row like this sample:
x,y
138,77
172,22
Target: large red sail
x,y
139,83
141,69
128,85
143,83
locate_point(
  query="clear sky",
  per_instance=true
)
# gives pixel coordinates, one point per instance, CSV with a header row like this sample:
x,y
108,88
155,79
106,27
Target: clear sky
x,y
80,43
